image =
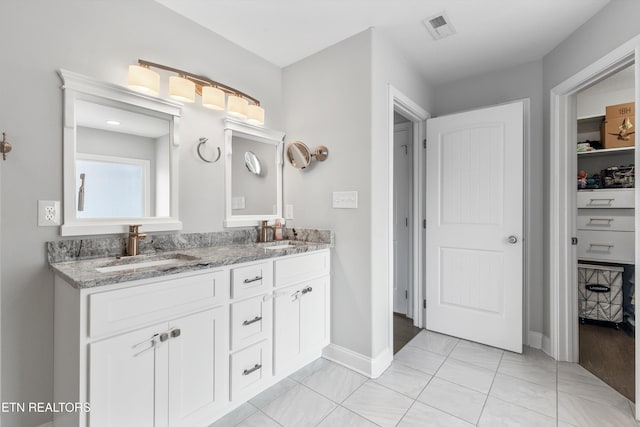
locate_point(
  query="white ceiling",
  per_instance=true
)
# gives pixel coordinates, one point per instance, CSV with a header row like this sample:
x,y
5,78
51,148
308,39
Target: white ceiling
x,y
491,34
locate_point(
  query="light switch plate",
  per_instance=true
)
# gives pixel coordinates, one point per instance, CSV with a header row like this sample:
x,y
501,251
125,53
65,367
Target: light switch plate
x,y
288,212
345,199
237,202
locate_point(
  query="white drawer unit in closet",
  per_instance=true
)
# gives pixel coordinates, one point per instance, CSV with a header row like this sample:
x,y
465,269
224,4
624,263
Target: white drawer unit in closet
x,y
613,198
614,246
251,279
251,321
606,219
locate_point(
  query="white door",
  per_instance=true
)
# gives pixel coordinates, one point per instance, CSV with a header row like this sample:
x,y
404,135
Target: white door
x,y
198,367
314,322
123,372
402,138
286,324
474,244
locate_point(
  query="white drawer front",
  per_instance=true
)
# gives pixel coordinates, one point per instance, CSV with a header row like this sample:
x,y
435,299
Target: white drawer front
x,y
302,267
623,198
614,246
122,309
250,368
617,220
251,321
251,279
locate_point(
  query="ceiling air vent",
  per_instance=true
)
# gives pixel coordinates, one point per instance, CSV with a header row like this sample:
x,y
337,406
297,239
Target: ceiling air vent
x,y
439,26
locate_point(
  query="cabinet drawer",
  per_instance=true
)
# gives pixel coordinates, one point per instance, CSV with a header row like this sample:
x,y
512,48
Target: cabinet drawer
x,y
250,368
613,246
623,198
251,321
297,268
606,219
122,309
251,279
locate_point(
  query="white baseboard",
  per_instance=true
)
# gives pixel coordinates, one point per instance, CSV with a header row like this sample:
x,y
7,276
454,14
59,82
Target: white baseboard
x,y
49,424
534,340
367,366
546,345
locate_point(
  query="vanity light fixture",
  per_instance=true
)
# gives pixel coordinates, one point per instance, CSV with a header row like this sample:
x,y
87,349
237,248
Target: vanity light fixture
x,y
143,79
185,85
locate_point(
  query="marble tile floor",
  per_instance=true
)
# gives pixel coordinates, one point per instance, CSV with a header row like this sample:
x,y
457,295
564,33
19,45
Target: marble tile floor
x,y
437,380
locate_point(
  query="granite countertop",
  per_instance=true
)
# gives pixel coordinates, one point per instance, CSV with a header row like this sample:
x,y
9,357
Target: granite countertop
x,y
106,270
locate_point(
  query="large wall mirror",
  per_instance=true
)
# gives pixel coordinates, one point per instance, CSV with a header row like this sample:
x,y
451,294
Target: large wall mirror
x,y
120,159
253,174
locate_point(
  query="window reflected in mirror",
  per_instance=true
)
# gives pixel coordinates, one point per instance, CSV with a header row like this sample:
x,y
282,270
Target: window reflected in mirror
x,y
122,163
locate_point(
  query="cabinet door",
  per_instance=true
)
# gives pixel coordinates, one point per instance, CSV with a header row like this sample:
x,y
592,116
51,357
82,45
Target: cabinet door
x,y
122,386
198,366
314,317
286,324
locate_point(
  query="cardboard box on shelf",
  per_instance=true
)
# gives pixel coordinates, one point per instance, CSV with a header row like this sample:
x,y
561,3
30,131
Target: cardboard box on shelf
x,y
619,126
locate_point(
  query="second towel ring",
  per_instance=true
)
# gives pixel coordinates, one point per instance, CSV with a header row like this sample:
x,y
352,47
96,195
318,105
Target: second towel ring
x,y
202,141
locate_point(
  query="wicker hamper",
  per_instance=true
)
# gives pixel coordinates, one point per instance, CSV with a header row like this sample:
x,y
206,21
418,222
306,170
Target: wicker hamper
x,y
600,292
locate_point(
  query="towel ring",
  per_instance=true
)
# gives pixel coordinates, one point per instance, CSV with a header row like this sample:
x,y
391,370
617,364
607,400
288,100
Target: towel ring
x,y
202,141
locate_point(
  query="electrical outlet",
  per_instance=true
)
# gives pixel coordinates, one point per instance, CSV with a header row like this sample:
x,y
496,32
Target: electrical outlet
x,y
48,213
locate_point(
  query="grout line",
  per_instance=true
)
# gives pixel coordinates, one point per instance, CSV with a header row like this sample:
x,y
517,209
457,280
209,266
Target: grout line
x,y
484,406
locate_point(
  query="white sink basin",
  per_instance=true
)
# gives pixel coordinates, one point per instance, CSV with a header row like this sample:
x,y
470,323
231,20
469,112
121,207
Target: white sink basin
x,y
132,263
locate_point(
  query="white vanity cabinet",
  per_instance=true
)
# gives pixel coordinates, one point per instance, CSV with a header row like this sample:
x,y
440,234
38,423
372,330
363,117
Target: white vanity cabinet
x,y
185,350
144,353
301,310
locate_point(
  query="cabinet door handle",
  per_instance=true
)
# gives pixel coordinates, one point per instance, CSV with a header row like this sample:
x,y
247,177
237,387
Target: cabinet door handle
x,y
255,279
254,320
164,337
601,245
252,370
307,290
153,343
175,333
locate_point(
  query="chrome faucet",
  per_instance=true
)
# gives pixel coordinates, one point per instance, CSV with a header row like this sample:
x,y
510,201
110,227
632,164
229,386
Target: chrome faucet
x,y
134,236
264,231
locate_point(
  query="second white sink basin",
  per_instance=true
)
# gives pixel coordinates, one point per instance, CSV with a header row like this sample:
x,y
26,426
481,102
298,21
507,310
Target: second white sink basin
x,y
133,263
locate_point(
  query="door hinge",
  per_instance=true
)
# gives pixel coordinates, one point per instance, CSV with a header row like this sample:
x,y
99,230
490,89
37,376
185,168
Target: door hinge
x,y
424,303
424,143
406,294
574,241
424,223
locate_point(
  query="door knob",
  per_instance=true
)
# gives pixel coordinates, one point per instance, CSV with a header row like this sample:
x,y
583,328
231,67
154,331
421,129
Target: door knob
x,y
512,239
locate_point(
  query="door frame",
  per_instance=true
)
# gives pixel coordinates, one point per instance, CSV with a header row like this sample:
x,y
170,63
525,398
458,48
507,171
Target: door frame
x,y
563,334
410,292
398,101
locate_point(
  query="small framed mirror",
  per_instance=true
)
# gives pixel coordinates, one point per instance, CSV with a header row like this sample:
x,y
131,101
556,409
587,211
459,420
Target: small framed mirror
x,y
253,174
120,159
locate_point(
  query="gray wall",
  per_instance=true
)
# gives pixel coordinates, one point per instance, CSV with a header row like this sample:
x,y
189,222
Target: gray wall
x,y
99,39
615,24
327,101
522,81
339,98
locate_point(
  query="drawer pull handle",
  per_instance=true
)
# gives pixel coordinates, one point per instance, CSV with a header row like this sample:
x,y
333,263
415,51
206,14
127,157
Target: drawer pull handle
x,y
255,279
608,220
254,320
606,201
252,370
601,245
